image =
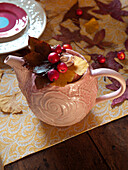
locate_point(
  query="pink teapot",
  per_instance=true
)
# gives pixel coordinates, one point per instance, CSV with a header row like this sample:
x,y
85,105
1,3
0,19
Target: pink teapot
x,y
63,106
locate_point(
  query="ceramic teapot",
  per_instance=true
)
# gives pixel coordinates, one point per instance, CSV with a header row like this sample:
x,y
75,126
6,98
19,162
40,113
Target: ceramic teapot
x,y
63,106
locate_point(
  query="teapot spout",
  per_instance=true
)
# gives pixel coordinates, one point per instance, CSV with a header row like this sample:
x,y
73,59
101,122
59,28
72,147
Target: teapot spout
x,y
14,61
22,73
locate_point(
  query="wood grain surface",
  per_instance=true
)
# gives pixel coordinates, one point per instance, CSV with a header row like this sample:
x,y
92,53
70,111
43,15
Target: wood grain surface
x,y
105,147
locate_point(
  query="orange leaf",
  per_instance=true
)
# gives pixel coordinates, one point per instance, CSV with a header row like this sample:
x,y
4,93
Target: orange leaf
x,y
64,78
92,26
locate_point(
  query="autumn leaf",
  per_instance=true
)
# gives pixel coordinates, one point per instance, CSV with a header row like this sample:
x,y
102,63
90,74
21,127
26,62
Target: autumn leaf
x,y
39,51
68,37
109,63
80,66
98,41
9,104
33,59
42,81
107,44
124,62
92,26
69,25
115,86
64,78
21,52
95,64
71,14
126,44
113,9
39,46
99,36
87,57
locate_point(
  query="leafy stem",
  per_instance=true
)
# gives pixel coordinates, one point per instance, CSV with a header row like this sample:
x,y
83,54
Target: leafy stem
x,y
80,47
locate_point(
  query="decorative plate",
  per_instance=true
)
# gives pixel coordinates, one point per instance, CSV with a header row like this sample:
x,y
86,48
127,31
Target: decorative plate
x,y
34,28
13,19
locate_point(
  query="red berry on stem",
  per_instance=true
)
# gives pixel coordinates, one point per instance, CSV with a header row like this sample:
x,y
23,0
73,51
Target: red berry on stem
x,y
67,46
53,57
101,59
121,55
58,49
62,67
52,48
53,75
79,12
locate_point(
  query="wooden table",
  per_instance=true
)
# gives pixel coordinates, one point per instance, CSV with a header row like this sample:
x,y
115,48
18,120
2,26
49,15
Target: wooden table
x,y
105,147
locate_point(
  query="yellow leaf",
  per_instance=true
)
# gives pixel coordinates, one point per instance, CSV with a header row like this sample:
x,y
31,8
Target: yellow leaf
x,y
64,78
80,66
9,104
87,57
92,26
124,62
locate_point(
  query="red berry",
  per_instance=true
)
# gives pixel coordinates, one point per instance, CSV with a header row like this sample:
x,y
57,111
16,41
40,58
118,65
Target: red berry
x,y
101,59
79,12
67,46
58,49
62,67
53,57
53,75
52,48
121,55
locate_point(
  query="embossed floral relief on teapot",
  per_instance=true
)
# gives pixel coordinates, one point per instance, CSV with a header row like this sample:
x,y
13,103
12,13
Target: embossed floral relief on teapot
x,y
53,99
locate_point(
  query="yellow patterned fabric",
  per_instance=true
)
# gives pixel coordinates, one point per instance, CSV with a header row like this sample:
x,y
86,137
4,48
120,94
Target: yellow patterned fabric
x,y
23,134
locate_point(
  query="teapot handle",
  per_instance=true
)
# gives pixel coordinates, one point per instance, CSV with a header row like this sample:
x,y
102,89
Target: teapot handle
x,y
109,73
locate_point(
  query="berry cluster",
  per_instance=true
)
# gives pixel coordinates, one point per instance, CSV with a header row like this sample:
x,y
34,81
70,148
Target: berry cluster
x,y
54,58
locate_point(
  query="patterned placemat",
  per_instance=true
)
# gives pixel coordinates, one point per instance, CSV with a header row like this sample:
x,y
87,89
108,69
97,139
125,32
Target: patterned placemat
x,y
23,134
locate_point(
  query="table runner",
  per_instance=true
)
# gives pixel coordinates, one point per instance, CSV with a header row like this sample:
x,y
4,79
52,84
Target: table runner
x,y
23,134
